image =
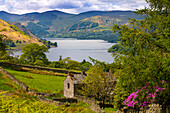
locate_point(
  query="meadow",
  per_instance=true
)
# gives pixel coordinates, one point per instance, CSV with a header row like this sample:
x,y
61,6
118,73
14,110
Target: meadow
x,y
13,99
38,82
6,84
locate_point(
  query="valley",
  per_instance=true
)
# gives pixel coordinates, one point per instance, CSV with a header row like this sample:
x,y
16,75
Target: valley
x,y
57,24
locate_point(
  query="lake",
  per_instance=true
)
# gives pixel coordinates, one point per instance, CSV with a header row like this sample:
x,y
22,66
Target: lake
x,y
79,50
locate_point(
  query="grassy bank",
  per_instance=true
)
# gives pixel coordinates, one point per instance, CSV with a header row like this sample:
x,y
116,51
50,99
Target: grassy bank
x,y
6,84
41,83
14,103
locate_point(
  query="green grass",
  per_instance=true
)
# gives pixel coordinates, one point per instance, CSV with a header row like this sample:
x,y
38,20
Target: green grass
x,y
6,84
42,83
110,110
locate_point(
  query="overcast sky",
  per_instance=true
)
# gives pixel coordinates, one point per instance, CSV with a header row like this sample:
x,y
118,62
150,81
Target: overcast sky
x,y
69,6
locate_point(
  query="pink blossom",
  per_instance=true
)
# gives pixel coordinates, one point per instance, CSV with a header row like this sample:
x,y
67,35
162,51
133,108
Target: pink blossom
x,y
153,96
150,97
135,96
135,103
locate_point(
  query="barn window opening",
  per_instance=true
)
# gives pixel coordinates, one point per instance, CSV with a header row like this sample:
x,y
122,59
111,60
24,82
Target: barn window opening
x,y
68,85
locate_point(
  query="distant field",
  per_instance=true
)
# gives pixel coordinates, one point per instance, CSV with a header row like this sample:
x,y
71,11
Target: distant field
x,y
41,83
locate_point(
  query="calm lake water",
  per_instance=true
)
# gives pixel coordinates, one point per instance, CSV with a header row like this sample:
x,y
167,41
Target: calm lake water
x,y
79,50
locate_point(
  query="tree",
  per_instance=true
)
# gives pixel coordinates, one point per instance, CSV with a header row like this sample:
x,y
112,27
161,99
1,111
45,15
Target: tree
x,y
97,85
2,45
3,53
147,58
33,52
70,64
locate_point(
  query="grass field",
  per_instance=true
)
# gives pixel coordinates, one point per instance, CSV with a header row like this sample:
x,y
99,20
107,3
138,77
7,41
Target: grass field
x,y
6,84
41,83
16,100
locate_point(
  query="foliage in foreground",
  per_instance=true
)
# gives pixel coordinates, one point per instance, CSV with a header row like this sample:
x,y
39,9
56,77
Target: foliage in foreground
x,y
98,83
16,104
147,61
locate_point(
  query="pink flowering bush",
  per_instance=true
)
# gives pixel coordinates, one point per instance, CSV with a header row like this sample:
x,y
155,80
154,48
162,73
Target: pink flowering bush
x,y
143,97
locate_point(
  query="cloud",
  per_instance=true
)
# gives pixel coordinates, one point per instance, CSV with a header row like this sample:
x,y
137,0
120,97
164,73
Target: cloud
x,y
69,6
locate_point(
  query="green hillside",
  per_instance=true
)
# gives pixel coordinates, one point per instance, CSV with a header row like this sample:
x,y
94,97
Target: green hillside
x,y
87,25
96,27
14,36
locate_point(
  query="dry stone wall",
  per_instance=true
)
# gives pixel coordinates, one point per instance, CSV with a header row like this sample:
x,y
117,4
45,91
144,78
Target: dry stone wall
x,y
6,64
94,105
153,108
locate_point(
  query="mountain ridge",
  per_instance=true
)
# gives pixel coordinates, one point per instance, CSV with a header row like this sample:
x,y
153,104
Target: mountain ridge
x,y
57,24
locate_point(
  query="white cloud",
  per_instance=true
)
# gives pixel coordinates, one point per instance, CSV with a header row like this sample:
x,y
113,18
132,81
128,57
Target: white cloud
x,y
69,6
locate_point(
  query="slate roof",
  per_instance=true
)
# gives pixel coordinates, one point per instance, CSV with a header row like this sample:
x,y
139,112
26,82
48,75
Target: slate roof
x,y
78,78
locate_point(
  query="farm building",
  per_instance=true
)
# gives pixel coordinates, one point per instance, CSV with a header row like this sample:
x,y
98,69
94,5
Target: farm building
x,y
72,83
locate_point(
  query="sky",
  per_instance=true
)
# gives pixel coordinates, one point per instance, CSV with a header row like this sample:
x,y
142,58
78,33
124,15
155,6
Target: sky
x,y
69,6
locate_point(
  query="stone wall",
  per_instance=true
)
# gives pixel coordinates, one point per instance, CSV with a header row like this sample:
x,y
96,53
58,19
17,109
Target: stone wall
x,y
51,101
6,64
94,105
153,108
69,100
21,84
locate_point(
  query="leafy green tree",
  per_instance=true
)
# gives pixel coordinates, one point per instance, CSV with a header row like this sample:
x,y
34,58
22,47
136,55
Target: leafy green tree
x,y
70,64
4,55
85,65
34,52
97,84
147,60
57,64
116,48
2,45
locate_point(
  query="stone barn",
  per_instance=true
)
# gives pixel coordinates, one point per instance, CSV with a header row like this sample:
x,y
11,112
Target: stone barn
x,y
72,84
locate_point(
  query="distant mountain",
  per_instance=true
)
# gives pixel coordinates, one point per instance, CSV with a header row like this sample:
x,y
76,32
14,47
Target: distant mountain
x,y
9,17
87,25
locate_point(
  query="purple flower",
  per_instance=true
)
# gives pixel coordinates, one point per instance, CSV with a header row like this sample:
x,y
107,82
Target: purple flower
x,y
135,96
150,97
153,96
145,87
131,102
135,103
